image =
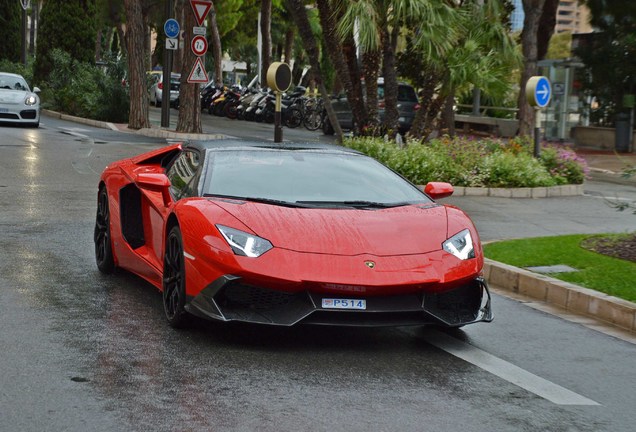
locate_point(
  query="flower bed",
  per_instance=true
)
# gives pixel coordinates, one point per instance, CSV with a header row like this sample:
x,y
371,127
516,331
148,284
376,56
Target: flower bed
x,y
487,162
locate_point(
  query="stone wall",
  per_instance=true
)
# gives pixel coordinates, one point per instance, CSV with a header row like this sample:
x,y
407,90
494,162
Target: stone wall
x,y
598,138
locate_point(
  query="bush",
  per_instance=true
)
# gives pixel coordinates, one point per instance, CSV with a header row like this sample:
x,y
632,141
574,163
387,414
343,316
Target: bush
x,y
465,161
86,90
19,68
564,165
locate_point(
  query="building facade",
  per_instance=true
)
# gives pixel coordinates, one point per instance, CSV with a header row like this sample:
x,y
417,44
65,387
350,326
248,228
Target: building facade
x,y
571,17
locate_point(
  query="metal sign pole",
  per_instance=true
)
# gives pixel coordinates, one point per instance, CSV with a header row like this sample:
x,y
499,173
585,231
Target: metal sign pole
x,y
278,130
537,132
167,73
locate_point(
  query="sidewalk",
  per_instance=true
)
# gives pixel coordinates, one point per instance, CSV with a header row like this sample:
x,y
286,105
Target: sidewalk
x,y
609,166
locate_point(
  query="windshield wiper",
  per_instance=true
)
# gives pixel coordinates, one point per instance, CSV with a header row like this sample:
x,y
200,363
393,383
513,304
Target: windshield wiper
x,y
256,200
355,204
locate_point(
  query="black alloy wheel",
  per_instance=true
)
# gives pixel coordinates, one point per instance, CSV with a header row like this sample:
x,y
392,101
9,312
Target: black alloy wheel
x,y
174,296
103,246
294,118
313,120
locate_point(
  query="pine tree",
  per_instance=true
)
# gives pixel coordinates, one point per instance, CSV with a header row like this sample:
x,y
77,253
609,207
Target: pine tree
x,y
69,26
11,25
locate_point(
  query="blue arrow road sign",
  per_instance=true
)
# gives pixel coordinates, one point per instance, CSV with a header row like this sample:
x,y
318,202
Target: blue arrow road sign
x,y
171,28
542,92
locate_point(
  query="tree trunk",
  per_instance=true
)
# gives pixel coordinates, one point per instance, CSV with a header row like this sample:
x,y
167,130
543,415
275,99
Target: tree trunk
x,y
449,113
217,50
189,103
533,10
371,66
266,37
289,45
122,39
334,49
349,51
547,23
98,45
35,12
299,13
391,115
135,33
429,105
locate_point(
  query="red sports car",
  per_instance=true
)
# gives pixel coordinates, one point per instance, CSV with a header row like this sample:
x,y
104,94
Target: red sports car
x,y
287,234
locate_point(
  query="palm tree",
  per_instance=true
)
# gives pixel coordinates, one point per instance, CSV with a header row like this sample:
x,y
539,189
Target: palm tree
x,y
533,10
379,23
299,13
478,51
330,12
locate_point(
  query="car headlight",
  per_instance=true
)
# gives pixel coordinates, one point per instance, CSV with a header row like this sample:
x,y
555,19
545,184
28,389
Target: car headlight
x,y
460,245
244,244
31,100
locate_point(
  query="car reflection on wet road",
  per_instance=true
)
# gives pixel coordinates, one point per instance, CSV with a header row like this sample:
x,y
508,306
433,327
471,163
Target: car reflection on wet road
x,y
81,351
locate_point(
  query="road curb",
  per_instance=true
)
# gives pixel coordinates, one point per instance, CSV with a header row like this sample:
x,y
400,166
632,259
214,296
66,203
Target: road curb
x,y
572,298
149,132
535,192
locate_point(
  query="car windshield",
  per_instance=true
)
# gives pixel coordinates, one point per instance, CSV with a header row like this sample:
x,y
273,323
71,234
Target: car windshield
x,y
310,177
405,93
11,82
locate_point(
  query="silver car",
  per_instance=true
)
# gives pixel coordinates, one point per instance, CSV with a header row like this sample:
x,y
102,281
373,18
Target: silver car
x,y
18,104
156,89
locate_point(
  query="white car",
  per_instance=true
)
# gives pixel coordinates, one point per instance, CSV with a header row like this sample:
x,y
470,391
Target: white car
x,y
18,104
156,89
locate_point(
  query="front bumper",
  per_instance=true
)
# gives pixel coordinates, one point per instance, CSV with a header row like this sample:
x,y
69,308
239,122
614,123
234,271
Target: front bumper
x,y
229,299
19,115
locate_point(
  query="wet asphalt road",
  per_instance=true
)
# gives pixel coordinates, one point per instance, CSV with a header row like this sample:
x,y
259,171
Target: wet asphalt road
x,y
81,351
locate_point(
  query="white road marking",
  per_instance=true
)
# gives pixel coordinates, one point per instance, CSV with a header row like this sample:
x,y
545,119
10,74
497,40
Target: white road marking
x,y
507,371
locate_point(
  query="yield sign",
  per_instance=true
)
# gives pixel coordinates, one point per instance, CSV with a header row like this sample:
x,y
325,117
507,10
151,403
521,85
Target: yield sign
x,y
201,9
198,73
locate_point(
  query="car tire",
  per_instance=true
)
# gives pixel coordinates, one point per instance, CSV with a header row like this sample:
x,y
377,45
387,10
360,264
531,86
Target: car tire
x,y
294,118
103,243
174,295
327,129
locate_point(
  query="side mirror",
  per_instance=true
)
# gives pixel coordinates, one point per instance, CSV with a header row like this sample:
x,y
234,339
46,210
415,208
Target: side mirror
x,y
438,190
36,90
157,183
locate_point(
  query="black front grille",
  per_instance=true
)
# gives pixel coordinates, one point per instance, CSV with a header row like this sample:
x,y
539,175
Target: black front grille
x,y
459,305
28,114
9,116
244,296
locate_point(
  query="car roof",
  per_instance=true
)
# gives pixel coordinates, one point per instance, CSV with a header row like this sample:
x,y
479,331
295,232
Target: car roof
x,y
11,74
234,144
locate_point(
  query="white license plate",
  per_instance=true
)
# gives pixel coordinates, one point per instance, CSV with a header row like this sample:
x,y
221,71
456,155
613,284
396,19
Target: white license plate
x,y
357,304
4,110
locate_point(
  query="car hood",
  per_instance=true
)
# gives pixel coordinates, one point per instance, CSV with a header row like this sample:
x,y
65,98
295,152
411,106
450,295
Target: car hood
x,y
13,96
406,230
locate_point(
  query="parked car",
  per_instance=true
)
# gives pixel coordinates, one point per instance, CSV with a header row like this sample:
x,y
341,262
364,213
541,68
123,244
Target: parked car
x,y
18,104
231,230
156,88
407,107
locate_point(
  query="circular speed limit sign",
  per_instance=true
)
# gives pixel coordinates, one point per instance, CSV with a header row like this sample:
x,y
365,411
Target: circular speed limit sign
x,y
199,45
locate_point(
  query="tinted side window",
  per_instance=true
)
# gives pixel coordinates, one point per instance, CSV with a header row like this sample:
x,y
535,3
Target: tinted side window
x,y
406,94
184,174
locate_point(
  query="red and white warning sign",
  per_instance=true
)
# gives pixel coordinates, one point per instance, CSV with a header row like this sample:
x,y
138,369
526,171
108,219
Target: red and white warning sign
x,y
201,9
199,45
198,74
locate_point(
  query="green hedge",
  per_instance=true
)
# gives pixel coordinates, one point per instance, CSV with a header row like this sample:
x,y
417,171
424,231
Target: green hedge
x,y
487,162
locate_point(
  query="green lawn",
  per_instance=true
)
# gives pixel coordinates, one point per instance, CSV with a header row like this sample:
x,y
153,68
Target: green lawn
x,y
605,274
